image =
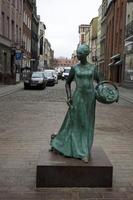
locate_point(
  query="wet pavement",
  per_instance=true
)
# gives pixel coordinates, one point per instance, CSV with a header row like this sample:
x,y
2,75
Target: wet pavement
x,y
29,117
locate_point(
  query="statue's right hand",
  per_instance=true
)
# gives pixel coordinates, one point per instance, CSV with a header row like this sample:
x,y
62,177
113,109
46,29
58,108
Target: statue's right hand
x,y
69,102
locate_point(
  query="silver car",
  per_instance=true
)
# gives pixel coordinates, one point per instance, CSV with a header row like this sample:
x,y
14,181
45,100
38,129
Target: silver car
x,y
36,80
50,77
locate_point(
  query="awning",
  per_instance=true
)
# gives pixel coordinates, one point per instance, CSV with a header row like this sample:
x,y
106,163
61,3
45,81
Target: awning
x,y
118,62
128,43
25,68
116,56
111,64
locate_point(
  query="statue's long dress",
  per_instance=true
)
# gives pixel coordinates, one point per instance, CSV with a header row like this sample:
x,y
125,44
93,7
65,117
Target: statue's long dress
x,y
75,137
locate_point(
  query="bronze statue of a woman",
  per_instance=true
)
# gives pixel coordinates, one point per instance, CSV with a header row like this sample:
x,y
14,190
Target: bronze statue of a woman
x,y
75,137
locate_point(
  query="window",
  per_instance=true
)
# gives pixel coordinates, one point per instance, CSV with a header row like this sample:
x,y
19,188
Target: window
x,y
116,40
24,40
20,5
26,43
12,30
128,19
3,23
13,2
17,6
121,12
28,22
8,27
17,33
117,14
120,38
26,18
5,61
82,38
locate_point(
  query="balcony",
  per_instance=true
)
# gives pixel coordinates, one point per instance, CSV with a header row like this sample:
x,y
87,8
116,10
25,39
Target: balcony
x,y
129,29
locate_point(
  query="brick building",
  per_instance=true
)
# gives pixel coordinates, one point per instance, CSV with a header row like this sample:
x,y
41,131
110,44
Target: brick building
x,y
62,62
102,58
115,33
128,70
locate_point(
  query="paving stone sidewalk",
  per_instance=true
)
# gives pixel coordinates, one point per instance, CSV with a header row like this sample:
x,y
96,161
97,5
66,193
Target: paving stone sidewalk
x,y
8,89
27,120
125,93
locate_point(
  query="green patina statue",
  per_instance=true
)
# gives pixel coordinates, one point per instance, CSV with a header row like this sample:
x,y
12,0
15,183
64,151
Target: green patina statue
x,y
75,137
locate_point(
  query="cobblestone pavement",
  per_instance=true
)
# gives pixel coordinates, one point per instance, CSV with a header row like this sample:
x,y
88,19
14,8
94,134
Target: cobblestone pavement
x,y
9,89
28,117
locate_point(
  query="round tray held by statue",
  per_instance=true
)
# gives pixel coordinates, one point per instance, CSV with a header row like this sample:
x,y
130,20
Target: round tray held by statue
x,y
106,92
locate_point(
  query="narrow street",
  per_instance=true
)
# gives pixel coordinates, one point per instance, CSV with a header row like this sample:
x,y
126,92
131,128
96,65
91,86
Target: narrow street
x,y
29,117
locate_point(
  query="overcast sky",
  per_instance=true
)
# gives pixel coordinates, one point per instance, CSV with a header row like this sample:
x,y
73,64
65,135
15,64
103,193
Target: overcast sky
x,y
62,18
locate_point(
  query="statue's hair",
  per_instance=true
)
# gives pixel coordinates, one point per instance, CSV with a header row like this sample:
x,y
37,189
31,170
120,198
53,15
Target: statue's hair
x,y
84,49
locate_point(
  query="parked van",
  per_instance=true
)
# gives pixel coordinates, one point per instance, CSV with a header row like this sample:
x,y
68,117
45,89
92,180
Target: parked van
x,y
65,73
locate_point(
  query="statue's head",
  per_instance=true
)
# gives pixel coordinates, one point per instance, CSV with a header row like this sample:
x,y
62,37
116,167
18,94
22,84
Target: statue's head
x,y
83,49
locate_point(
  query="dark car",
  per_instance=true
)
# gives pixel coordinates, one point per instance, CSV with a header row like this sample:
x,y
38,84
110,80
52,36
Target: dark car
x,y
36,80
50,77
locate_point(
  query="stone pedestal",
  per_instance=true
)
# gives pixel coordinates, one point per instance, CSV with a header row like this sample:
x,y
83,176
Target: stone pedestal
x,y
54,170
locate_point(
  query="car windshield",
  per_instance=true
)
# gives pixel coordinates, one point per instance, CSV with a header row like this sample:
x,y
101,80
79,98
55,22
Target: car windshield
x,y
48,73
66,70
37,75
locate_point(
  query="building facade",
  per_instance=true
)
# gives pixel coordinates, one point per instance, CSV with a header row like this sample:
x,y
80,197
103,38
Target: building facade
x,y
93,40
62,62
115,34
34,38
102,60
83,30
74,59
41,39
11,25
48,54
27,19
99,35
128,70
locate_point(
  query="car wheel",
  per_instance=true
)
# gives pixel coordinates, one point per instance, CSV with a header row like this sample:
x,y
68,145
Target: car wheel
x,y
43,86
25,87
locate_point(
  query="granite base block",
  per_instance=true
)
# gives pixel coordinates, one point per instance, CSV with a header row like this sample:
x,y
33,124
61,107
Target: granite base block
x,y
54,170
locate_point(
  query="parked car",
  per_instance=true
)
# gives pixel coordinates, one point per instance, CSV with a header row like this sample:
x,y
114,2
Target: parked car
x,y
50,77
60,75
36,80
65,73
59,71
55,75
